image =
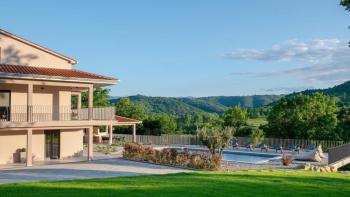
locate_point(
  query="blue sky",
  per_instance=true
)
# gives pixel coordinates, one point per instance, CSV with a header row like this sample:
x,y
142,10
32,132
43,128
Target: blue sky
x,y
194,47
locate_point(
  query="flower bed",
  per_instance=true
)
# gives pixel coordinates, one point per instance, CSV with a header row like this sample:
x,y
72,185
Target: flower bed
x,y
171,156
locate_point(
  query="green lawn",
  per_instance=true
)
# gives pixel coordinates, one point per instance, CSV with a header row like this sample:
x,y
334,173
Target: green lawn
x,y
240,183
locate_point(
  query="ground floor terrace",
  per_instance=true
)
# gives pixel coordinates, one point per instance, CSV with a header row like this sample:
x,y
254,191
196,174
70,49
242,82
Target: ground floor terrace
x,y
67,141
101,167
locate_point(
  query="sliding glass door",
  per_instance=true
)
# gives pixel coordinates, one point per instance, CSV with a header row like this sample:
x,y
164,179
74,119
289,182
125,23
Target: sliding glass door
x,y
52,144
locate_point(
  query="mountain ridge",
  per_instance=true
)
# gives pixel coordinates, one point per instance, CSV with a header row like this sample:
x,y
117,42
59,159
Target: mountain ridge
x,y
218,104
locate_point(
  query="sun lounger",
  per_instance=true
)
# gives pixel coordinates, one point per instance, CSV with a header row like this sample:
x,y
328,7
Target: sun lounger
x,y
235,145
278,147
294,147
263,147
311,147
249,146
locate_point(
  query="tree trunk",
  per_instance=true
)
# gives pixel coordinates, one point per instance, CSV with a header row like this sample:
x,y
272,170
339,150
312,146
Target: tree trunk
x,y
221,150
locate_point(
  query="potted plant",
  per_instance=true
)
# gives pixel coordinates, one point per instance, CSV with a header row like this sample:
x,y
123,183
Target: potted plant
x,y
23,155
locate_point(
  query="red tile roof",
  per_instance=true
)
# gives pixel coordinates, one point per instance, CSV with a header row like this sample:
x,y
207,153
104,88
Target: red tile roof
x,y
122,119
30,70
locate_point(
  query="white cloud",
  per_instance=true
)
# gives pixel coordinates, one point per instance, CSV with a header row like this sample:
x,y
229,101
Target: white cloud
x,y
287,89
325,61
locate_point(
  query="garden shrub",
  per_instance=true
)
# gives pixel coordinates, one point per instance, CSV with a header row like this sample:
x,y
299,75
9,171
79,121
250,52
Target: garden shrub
x,y
287,160
171,156
106,149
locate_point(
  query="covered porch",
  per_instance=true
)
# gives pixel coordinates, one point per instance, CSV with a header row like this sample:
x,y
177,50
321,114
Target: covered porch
x,y
118,121
68,143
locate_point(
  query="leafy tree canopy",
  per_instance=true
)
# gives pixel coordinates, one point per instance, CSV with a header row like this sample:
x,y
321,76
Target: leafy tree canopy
x,y
126,108
344,123
158,124
235,117
346,4
303,116
101,98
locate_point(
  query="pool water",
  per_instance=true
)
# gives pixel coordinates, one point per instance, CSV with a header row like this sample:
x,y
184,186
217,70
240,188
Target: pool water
x,y
244,157
248,157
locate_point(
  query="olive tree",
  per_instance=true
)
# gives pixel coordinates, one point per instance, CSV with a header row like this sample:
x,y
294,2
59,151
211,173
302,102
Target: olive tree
x,y
215,137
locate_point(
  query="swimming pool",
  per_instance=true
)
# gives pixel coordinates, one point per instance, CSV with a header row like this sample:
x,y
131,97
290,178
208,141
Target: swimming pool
x,y
242,156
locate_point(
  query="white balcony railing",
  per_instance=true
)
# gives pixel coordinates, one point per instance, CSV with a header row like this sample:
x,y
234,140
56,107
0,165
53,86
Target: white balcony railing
x,y
23,113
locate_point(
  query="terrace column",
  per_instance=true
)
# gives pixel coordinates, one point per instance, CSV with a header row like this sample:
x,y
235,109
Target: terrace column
x,y
110,131
79,101
134,133
29,161
90,143
91,101
29,102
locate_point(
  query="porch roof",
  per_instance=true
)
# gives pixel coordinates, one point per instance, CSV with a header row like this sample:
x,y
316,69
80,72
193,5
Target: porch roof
x,y
30,72
125,120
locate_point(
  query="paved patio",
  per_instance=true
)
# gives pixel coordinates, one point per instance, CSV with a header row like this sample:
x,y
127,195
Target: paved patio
x,y
83,170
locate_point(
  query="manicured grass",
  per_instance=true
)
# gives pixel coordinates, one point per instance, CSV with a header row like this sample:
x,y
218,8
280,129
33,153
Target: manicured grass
x,y
241,183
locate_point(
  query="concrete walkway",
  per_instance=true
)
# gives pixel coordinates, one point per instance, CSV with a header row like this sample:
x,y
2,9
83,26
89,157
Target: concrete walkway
x,y
83,170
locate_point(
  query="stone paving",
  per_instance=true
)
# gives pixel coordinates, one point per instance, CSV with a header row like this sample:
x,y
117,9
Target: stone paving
x,y
83,170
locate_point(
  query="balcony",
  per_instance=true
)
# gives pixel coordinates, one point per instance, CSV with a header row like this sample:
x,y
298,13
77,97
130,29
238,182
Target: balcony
x,y
24,113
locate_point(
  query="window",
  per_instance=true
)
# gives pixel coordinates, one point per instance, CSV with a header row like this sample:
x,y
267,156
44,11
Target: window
x,y
5,102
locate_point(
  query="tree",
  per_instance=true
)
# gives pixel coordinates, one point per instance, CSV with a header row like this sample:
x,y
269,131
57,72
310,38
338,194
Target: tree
x,y
257,136
216,137
126,108
158,124
168,123
303,116
235,117
346,4
343,129
101,98
151,126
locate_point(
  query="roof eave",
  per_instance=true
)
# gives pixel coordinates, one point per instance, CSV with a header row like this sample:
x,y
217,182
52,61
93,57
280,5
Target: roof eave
x,y
101,82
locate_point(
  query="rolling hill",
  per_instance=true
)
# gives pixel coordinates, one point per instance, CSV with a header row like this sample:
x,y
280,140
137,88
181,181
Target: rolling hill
x,y
218,104
189,105
342,92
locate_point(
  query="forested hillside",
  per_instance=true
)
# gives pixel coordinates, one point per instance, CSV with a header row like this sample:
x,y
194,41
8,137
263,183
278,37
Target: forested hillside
x,y
218,104
188,105
342,92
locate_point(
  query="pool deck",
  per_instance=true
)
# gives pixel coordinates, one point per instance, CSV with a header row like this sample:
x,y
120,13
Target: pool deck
x,y
104,168
272,163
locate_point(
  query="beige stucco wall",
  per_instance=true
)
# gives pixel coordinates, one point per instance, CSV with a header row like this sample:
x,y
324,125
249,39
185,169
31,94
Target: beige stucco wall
x,y
42,95
46,99
11,141
19,53
71,143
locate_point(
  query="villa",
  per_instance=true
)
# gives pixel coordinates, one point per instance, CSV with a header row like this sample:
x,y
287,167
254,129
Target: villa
x,y
36,111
